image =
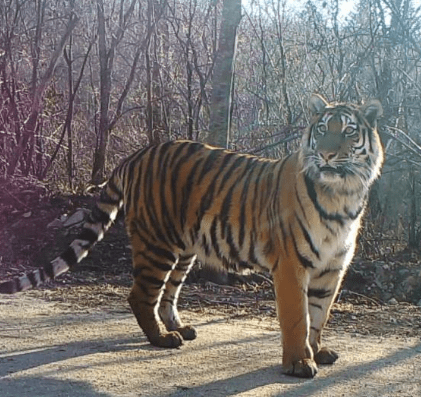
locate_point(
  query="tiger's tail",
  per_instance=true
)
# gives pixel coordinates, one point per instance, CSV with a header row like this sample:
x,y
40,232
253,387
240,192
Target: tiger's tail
x,y
99,221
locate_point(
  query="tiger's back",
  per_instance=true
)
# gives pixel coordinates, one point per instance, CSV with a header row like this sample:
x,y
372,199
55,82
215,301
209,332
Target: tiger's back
x,y
197,202
297,217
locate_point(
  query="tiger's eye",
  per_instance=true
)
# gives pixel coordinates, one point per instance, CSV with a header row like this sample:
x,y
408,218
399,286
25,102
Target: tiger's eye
x,y
322,128
349,130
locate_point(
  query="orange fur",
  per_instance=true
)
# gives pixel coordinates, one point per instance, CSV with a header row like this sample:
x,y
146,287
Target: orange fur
x,y
297,218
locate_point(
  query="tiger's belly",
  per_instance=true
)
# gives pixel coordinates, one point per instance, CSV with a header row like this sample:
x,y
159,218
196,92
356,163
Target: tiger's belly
x,y
218,246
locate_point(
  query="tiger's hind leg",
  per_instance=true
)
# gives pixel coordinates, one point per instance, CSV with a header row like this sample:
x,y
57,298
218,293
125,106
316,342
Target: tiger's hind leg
x,y
151,270
168,305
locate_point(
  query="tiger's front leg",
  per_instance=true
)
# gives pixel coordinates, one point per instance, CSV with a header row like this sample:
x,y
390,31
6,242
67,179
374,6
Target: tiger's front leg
x,y
322,291
291,281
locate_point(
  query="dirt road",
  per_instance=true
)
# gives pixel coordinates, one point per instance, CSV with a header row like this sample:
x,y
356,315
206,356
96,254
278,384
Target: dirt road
x,y
53,348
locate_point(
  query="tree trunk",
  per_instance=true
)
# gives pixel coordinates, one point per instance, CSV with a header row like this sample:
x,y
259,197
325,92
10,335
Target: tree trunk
x,y
98,170
223,77
106,63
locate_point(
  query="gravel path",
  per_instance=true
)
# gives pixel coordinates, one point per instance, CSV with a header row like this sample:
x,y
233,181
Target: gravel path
x,y
53,349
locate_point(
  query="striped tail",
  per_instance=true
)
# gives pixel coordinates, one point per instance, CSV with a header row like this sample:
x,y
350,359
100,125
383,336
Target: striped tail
x,y
99,221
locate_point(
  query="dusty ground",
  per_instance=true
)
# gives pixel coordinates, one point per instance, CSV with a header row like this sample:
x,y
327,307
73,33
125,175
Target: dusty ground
x,y
58,343
77,337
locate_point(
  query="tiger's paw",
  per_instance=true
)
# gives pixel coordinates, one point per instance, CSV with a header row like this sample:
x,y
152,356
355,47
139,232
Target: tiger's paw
x,y
187,332
325,356
171,339
305,368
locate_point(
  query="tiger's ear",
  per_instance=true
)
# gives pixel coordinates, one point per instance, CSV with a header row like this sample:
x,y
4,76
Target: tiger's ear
x,y
317,104
372,110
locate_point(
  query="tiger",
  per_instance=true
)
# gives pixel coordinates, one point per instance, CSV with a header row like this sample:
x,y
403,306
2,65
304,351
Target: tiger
x,y
296,217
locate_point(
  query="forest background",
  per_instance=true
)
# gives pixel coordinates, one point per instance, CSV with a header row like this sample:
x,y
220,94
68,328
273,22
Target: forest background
x,y
84,83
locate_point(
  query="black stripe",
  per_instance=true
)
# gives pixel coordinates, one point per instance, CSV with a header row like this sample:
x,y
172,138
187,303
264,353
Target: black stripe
x,y
49,270
300,204
355,215
145,288
175,171
256,192
341,253
257,187
275,267
150,199
226,205
209,164
165,267
161,252
311,191
34,278
245,265
107,199
182,267
279,177
244,201
252,255
153,280
304,261
186,192
284,236
167,218
163,177
185,258
327,271
228,173
319,293
180,146
142,224
214,238
166,146
175,283
144,232
234,254
225,211
69,256
242,220
112,186
205,245
136,173
269,247
308,238
87,234
99,216
207,198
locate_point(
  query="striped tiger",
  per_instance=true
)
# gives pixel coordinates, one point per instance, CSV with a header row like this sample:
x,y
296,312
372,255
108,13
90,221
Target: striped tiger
x,y
296,217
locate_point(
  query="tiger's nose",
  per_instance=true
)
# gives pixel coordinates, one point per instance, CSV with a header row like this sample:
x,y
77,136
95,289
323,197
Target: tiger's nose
x,y
327,155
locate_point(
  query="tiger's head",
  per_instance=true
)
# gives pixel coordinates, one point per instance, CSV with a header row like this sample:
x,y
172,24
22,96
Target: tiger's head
x,y
342,145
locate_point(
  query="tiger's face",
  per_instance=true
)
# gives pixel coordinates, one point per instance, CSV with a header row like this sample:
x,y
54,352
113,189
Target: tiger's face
x,y
342,145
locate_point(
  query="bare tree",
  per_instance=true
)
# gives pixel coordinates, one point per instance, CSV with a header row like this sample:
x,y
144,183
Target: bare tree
x,y
28,129
106,63
223,75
